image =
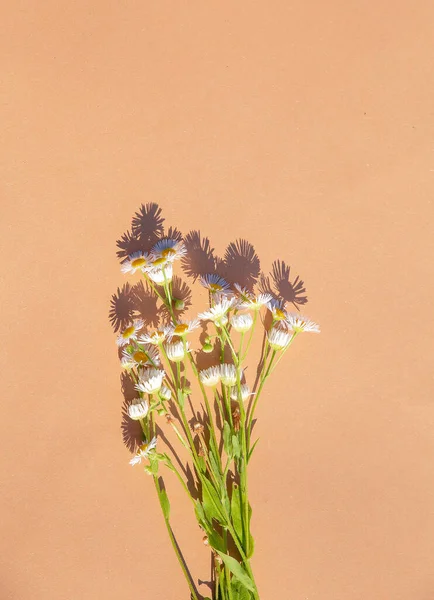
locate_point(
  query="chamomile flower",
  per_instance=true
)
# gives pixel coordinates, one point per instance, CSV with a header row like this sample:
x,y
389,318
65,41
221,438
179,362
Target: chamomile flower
x,y
228,374
210,377
182,329
169,249
299,323
137,357
249,300
130,333
138,410
245,392
156,337
165,393
143,451
217,313
215,284
277,309
175,351
242,323
162,273
138,261
278,338
150,381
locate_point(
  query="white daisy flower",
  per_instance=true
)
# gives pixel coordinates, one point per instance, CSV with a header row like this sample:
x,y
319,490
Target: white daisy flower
x,y
165,393
277,309
150,381
156,337
182,329
210,377
175,351
160,274
278,338
130,333
138,261
242,323
299,323
215,284
249,300
143,451
148,356
138,410
169,249
245,392
228,374
217,313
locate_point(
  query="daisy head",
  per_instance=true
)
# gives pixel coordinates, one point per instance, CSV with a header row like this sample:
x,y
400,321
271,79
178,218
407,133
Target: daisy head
x,y
215,284
299,323
278,338
140,357
228,374
182,329
277,309
169,249
138,410
161,271
143,451
129,333
156,337
138,261
244,391
217,313
210,377
150,381
242,323
175,351
249,301
165,393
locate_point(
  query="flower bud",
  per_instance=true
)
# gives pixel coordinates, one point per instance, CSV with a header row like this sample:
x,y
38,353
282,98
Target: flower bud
x,y
178,304
207,348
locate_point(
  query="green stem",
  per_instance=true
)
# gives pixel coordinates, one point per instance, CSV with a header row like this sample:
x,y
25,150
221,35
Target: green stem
x,y
174,544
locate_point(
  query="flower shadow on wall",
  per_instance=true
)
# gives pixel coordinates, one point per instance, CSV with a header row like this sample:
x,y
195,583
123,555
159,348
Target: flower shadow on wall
x,y
240,264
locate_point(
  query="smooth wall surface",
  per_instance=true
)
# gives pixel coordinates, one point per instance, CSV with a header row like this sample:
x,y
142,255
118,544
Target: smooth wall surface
x,y
305,128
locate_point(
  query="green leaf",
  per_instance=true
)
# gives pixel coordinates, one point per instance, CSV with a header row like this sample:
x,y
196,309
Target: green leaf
x,y
239,591
181,399
236,447
237,520
165,504
238,570
251,450
211,503
200,514
216,540
227,439
251,546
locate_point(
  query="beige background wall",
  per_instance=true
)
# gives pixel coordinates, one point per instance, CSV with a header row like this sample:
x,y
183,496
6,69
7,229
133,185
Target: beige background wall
x,y
303,127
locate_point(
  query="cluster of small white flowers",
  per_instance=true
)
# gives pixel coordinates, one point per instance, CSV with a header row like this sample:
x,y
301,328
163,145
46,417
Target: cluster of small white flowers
x,y
158,263
231,307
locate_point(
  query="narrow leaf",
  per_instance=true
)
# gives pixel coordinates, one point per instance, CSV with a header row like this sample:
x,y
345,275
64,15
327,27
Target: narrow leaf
x,y
251,450
238,570
165,504
237,520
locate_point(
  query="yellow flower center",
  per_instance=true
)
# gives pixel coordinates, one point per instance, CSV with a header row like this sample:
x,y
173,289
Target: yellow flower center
x,y
138,262
279,315
180,329
215,287
143,447
168,252
140,357
128,332
158,262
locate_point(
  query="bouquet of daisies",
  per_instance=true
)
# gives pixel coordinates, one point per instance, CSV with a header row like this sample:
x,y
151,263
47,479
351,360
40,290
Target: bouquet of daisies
x,y
218,441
